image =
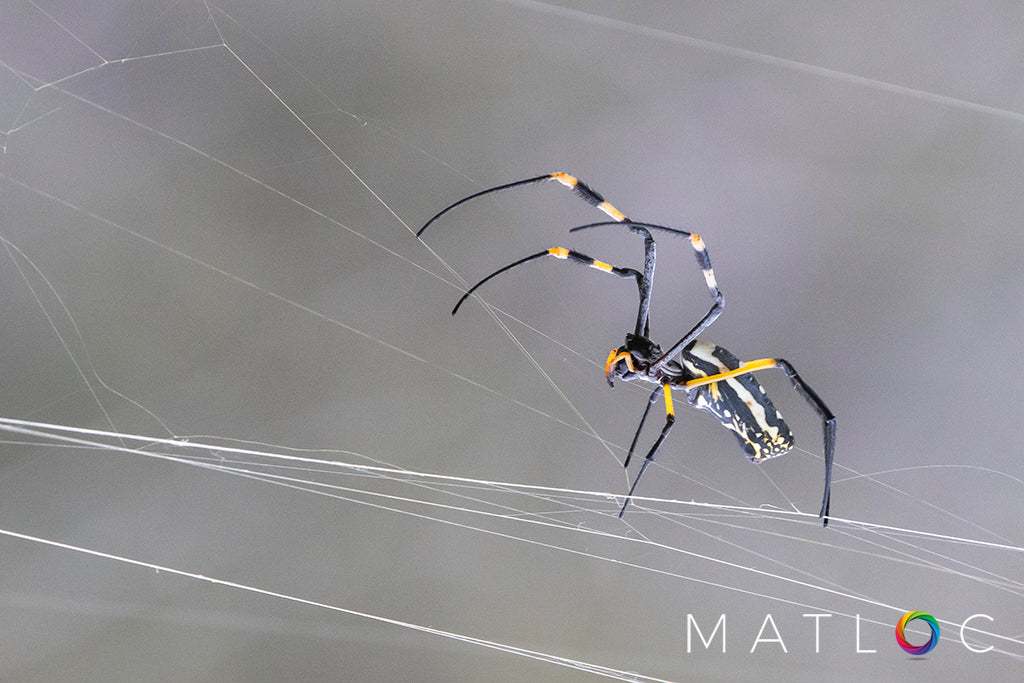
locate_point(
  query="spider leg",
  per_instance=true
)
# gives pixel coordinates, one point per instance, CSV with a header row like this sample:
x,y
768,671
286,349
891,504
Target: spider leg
x,y
650,402
481,193
646,284
828,420
703,260
563,254
670,418
581,189
718,301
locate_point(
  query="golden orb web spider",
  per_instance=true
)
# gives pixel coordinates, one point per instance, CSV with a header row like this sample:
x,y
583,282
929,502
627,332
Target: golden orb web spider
x,y
712,378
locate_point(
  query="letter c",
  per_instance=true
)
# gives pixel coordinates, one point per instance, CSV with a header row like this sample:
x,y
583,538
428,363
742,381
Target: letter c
x,y
964,626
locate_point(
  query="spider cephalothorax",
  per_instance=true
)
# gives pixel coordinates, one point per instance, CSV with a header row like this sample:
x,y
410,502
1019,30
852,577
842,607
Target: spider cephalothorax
x,y
713,379
632,360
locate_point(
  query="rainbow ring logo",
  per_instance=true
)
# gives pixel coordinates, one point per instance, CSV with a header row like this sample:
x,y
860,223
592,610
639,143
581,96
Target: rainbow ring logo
x,y
914,649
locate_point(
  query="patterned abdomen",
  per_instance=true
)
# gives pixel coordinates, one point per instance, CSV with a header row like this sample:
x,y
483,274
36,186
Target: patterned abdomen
x,y
739,403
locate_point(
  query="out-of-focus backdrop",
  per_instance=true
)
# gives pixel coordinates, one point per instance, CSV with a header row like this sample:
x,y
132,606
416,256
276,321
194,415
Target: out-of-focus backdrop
x,y
206,219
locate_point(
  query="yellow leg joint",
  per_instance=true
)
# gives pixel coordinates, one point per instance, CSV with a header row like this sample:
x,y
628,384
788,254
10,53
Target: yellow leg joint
x,y
669,408
612,211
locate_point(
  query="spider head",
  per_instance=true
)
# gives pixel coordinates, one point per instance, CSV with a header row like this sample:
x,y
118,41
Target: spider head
x,y
632,359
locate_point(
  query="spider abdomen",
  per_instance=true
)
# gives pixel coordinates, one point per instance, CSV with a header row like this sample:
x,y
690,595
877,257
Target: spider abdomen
x,y
739,403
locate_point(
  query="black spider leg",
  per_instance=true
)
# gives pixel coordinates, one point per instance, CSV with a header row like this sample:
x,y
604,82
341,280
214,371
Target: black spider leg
x,y
670,419
481,193
646,283
584,192
718,302
644,280
828,421
580,188
564,254
643,418
644,230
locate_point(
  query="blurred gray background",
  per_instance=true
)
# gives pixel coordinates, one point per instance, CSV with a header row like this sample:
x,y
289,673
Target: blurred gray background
x,y
206,211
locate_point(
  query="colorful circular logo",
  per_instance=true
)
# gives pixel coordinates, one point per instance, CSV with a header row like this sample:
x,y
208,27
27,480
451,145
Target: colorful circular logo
x,y
914,649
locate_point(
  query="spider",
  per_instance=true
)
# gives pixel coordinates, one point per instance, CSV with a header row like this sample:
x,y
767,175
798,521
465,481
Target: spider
x,y
710,377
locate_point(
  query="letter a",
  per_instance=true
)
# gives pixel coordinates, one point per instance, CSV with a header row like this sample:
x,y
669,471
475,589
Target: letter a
x,y
777,639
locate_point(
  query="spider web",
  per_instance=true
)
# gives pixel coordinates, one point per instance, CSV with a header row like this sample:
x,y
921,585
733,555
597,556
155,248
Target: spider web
x,y
240,425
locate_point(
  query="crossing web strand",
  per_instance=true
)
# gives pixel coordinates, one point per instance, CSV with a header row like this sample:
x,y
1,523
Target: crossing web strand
x,y
238,415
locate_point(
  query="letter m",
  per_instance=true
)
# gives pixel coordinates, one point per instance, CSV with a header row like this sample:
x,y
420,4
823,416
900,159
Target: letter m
x,y
691,625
